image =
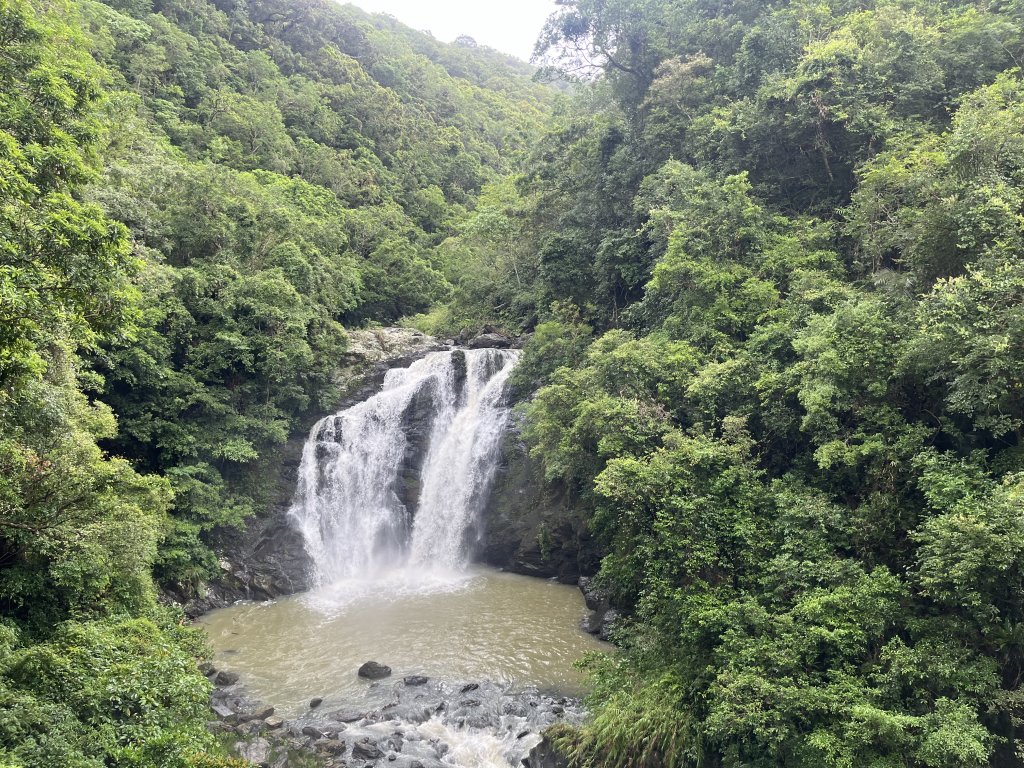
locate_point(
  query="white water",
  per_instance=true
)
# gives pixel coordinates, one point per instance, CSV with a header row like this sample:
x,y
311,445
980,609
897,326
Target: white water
x,y
349,505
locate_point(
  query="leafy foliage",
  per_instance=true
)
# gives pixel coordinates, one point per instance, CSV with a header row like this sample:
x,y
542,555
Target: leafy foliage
x,y
194,199
284,169
794,233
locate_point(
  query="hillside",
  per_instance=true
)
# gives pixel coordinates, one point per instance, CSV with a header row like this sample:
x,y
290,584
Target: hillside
x,y
772,258
284,169
195,199
767,262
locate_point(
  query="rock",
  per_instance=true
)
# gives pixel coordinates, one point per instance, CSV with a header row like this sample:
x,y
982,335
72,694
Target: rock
x,y
372,670
460,369
595,597
483,722
514,708
544,756
313,731
219,726
528,526
366,749
273,722
602,616
225,678
314,703
418,426
347,715
260,713
330,746
395,742
415,680
608,624
387,345
490,341
249,728
208,669
256,751
412,712
225,713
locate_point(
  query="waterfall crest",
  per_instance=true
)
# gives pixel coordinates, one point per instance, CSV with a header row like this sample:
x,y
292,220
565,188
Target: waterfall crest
x,y
399,480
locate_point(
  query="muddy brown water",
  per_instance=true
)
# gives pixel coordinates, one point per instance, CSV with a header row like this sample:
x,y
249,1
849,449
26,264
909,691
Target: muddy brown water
x,y
479,625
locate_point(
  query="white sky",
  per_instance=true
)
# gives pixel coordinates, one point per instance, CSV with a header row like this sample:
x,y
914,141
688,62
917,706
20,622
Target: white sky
x,y
511,27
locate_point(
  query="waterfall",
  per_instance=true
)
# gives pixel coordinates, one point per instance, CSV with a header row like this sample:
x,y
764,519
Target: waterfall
x,y
399,480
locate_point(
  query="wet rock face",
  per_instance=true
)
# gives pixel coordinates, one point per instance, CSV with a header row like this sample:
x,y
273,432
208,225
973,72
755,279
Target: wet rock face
x,y
417,424
266,560
366,749
529,529
603,616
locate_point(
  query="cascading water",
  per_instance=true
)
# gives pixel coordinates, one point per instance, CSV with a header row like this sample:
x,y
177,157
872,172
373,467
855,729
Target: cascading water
x,y
398,480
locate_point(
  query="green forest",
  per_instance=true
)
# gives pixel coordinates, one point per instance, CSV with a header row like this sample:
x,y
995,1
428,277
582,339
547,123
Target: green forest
x,y
769,259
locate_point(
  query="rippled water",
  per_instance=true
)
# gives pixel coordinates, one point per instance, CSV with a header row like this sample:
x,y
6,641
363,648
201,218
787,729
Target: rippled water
x,y
479,625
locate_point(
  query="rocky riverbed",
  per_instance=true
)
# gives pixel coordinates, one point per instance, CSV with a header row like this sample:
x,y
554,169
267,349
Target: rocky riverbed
x,y
368,715
418,723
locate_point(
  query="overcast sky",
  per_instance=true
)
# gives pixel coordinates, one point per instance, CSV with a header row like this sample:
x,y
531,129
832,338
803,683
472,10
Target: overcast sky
x,y
511,27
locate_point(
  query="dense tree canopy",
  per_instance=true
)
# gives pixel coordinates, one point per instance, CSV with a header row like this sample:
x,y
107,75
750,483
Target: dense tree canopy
x,y
769,255
772,259
283,169
195,199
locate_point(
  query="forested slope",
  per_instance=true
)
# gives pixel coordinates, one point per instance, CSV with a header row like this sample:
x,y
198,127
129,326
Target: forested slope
x,y
770,255
285,169
195,199
773,258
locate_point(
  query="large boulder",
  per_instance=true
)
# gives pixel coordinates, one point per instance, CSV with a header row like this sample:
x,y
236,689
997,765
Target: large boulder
x,y
544,756
490,341
373,670
387,345
602,617
366,749
256,751
225,678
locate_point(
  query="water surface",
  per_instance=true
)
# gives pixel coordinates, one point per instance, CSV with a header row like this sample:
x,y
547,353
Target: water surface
x,y
479,625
